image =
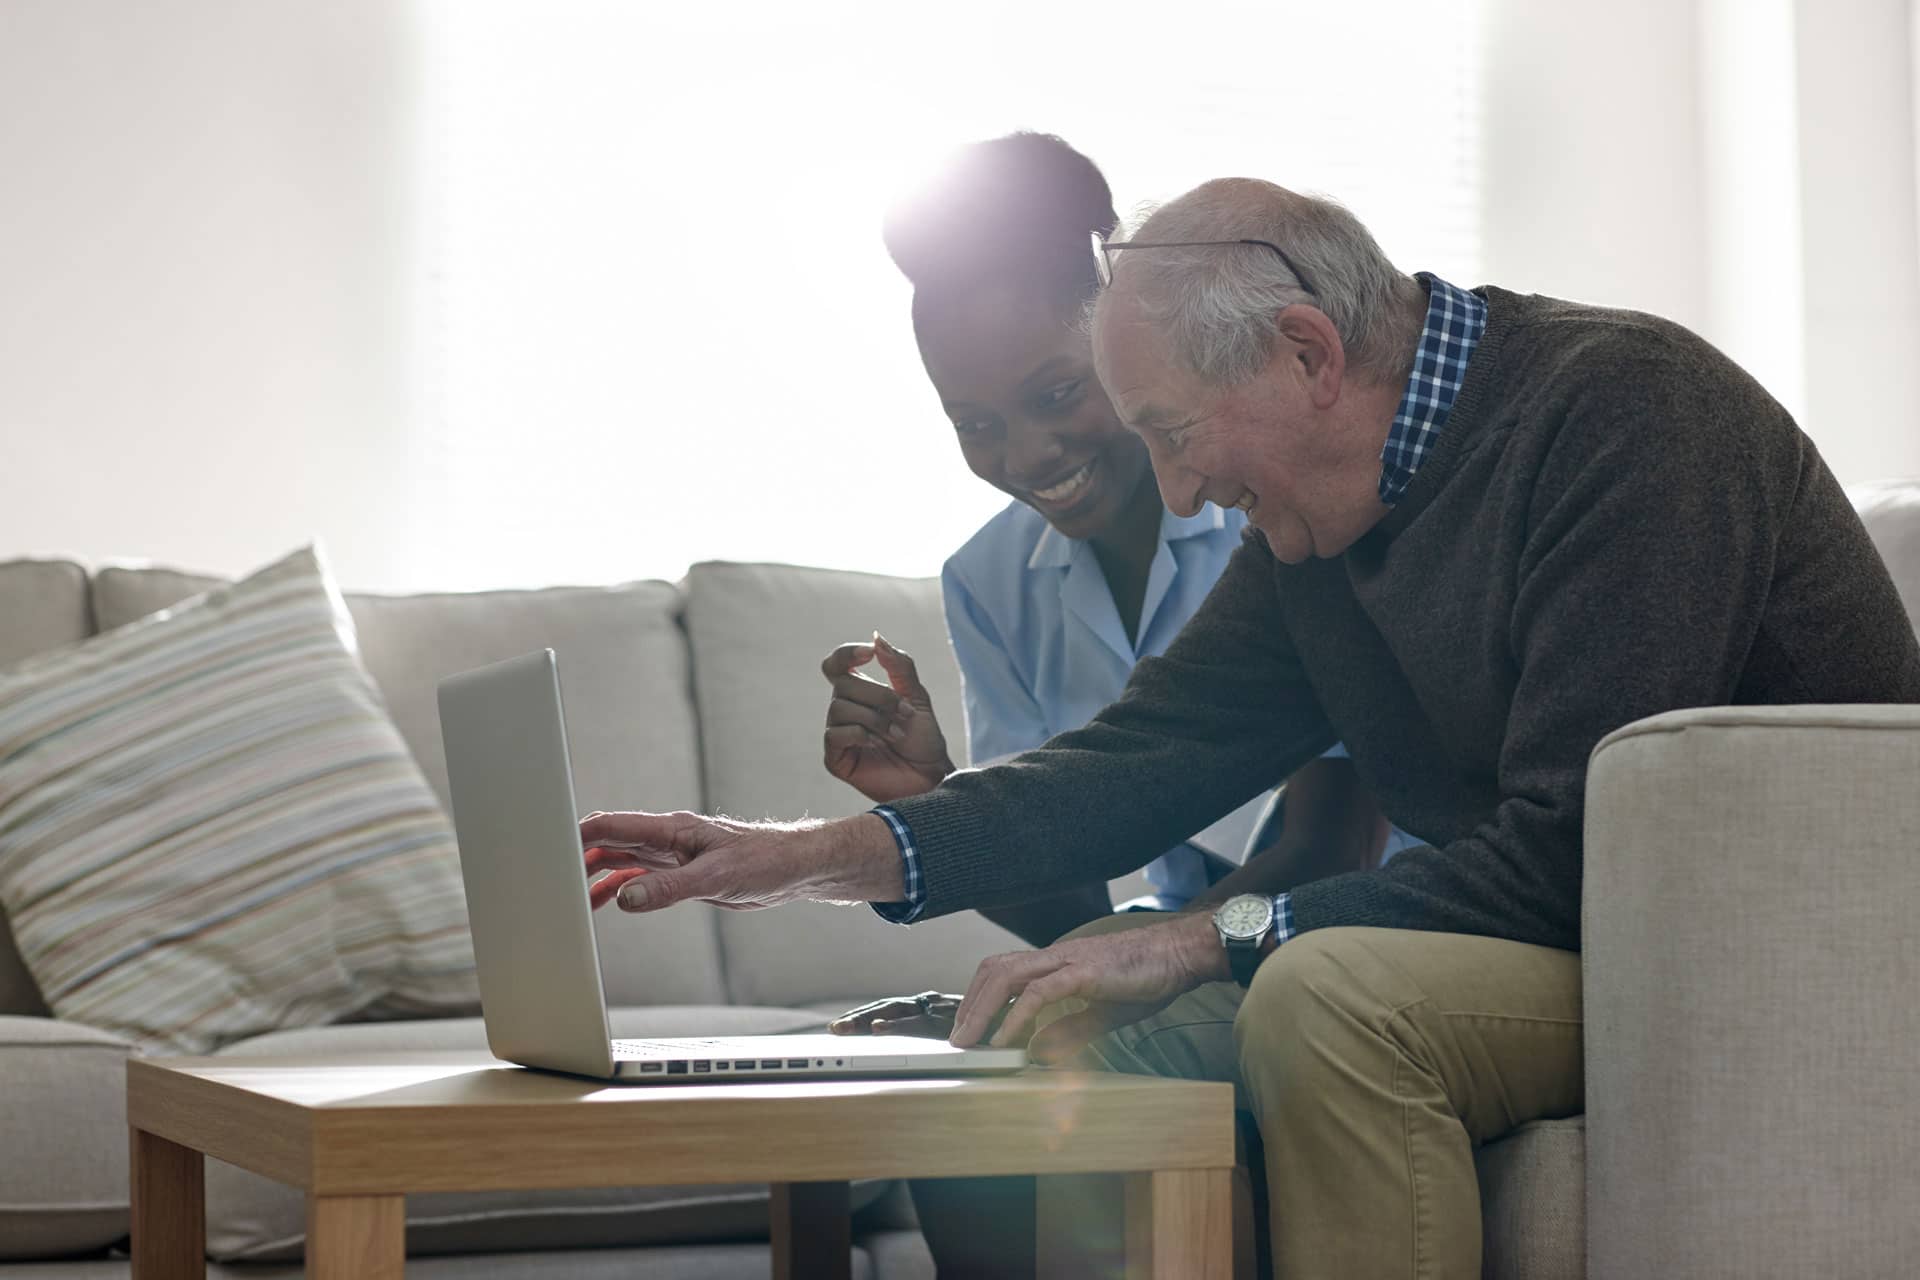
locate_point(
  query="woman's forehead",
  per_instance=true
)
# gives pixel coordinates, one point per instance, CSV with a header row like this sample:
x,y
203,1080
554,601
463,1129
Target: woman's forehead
x,y
999,328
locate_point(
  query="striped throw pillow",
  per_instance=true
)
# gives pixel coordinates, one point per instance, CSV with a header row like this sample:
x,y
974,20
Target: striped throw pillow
x,y
209,828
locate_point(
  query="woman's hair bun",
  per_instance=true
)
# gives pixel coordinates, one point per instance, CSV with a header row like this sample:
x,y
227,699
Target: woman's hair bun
x,y
1020,203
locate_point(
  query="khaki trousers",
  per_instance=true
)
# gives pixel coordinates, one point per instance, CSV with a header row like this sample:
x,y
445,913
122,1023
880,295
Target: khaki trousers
x,y
1374,1061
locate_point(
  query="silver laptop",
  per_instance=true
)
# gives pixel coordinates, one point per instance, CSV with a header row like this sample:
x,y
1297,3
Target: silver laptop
x,y
526,881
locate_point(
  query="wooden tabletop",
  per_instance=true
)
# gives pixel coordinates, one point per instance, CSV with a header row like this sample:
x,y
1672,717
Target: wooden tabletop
x,y
466,1122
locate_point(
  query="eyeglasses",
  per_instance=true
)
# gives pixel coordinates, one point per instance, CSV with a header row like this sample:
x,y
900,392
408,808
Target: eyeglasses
x,y
1103,250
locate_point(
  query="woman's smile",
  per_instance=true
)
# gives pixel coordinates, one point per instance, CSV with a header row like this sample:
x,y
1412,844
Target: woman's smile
x,y
1069,492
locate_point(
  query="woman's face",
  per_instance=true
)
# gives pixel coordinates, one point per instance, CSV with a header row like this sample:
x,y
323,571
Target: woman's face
x,y
1015,376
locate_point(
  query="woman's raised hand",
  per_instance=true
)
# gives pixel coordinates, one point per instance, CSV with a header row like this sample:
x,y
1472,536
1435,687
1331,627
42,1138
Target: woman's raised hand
x,y
882,739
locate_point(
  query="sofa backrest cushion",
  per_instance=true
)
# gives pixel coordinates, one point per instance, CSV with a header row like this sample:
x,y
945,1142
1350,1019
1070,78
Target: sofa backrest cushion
x,y
1891,512
43,605
213,830
758,633
623,672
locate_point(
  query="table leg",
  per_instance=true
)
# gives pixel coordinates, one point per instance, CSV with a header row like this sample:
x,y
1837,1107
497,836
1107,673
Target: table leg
x,y
169,1209
1180,1223
356,1237
812,1226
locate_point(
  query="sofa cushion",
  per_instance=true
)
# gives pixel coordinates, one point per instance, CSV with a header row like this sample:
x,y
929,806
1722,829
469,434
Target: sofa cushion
x,y
1891,512
1533,1202
208,827
252,1218
43,605
758,633
630,726
63,1128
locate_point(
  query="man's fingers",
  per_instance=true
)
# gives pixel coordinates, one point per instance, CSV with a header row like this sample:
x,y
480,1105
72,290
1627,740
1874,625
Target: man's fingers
x,y
600,858
996,981
657,889
963,1020
1044,990
660,831
607,857
601,891
844,659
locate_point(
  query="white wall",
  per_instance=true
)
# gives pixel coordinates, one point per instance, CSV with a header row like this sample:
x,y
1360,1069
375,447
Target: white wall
x,y
207,280
1592,154
1861,236
1746,167
211,262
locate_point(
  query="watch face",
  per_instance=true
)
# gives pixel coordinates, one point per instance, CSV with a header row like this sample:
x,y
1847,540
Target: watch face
x,y
1246,916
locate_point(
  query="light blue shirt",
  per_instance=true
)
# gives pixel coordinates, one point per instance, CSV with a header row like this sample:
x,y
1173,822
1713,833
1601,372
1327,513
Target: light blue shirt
x,y
1040,643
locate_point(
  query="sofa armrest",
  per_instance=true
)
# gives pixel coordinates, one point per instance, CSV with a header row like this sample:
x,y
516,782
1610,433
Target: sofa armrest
x,y
63,1129
1751,929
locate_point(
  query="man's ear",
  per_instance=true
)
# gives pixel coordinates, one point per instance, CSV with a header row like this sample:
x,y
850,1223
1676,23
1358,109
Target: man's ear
x,y
1312,341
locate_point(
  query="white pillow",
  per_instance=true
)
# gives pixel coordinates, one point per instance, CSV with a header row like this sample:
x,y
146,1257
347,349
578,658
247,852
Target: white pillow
x,y
209,828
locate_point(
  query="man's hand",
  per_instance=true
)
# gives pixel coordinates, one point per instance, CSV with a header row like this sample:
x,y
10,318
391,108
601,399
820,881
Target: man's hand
x,y
1122,976
882,739
652,860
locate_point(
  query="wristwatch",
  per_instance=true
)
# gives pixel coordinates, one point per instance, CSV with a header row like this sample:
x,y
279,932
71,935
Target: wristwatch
x,y
1243,922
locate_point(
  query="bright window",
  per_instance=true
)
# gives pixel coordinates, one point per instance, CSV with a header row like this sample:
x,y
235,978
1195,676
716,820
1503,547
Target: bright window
x,y
664,326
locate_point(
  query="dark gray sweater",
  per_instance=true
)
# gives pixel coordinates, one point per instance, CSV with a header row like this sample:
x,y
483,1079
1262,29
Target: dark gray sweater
x,y
1616,521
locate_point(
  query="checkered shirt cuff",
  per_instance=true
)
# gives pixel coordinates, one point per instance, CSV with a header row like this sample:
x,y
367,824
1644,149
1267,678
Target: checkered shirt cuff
x,y
916,901
1283,927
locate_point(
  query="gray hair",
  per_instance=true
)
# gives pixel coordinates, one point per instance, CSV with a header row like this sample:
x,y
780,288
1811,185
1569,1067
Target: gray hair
x,y
1219,306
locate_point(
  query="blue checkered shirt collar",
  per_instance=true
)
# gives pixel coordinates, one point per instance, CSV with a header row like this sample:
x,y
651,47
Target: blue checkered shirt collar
x,y
1455,321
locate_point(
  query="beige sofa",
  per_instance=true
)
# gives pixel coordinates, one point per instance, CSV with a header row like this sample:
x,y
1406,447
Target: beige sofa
x,y
1752,888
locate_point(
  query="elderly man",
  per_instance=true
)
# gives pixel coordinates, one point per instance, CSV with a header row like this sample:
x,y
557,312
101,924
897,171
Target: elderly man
x,y
1487,529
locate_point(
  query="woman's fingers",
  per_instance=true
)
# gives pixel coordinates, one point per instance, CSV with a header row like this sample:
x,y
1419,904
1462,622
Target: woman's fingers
x,y
845,659
850,737
843,711
868,693
902,674
862,1020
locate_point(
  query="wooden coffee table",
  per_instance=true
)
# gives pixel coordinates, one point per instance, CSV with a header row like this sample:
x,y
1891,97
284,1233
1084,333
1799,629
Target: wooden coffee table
x,y
357,1135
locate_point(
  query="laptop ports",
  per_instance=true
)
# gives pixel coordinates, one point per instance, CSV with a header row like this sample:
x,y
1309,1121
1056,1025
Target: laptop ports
x,y
676,1068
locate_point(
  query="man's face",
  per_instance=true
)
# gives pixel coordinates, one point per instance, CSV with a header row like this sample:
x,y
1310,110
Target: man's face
x,y
1258,445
